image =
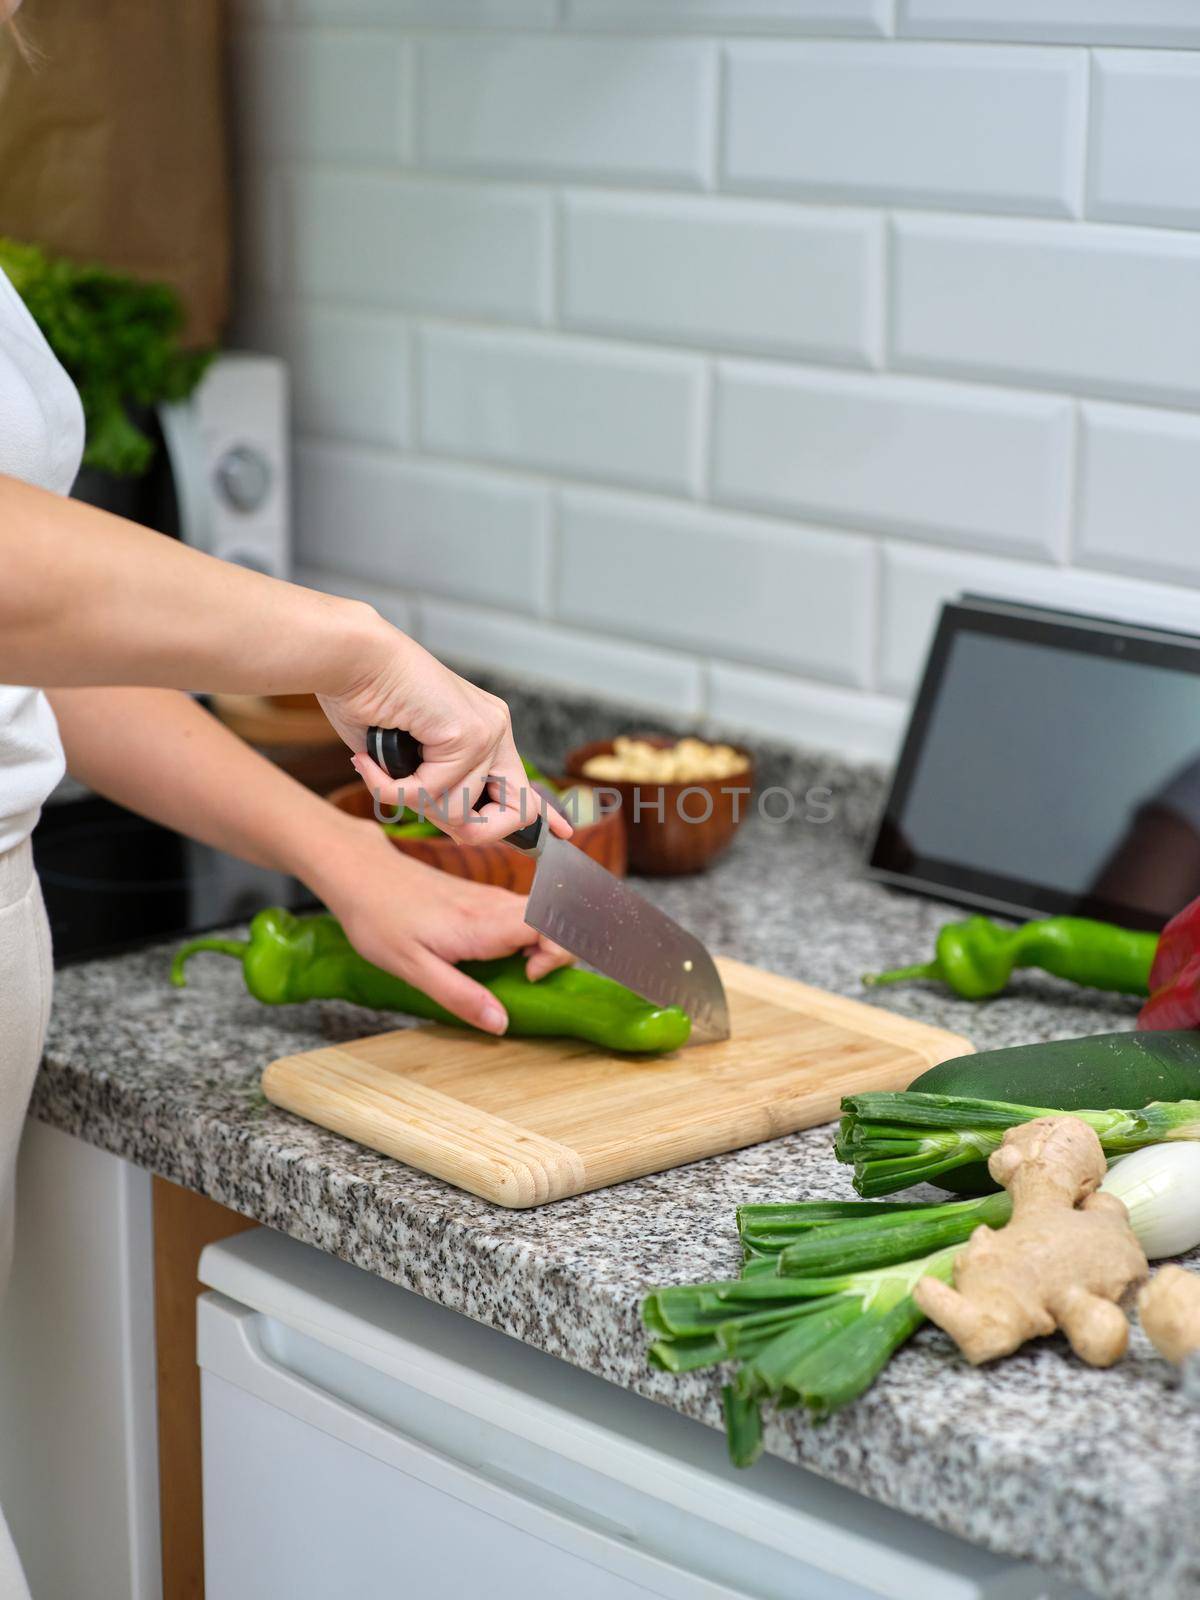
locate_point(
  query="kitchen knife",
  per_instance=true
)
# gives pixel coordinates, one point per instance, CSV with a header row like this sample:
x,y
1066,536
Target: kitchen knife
x,y
583,907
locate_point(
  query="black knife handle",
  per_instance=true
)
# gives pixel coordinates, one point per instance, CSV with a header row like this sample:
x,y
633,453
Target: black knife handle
x,y
399,754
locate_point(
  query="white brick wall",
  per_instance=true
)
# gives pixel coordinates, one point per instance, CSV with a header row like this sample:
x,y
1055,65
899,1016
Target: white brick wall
x,y
693,351
908,124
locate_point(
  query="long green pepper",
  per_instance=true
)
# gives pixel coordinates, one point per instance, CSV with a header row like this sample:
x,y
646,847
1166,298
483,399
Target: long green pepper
x,y
977,957
288,959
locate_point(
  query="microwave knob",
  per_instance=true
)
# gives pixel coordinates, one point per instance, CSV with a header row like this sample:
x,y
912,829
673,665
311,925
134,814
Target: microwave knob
x,y
243,478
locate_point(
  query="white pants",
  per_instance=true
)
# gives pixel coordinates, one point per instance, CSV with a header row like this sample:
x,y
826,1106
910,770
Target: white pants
x,y
26,980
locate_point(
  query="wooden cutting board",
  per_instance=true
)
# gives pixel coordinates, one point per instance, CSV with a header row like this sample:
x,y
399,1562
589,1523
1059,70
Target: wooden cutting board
x,y
524,1121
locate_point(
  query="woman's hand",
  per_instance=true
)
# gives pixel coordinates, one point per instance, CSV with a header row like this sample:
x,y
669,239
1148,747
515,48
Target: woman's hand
x,y
399,914
465,736
418,923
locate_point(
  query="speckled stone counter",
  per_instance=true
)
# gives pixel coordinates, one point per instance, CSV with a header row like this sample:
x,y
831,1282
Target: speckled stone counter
x,y
1096,1475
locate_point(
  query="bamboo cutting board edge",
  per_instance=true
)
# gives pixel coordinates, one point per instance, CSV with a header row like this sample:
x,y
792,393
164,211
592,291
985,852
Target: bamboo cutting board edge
x,y
555,1118
482,1153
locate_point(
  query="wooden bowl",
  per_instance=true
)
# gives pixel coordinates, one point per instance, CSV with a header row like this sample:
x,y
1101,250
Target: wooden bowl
x,y
498,864
679,827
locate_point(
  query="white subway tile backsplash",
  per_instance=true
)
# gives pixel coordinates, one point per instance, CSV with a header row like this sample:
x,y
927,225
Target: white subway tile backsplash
x,y
759,276
550,274
868,17
918,580
433,13
1139,492
863,726
1095,310
579,407
350,374
259,249
909,124
415,526
1145,161
447,249
600,108
801,598
1158,22
969,466
330,96
562,657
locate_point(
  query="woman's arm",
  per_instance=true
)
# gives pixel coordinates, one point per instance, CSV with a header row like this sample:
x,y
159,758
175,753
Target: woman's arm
x,y
159,753
87,598
90,598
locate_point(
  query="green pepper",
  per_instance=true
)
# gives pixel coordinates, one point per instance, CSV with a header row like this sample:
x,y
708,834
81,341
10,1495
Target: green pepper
x,y
976,958
415,829
535,775
288,959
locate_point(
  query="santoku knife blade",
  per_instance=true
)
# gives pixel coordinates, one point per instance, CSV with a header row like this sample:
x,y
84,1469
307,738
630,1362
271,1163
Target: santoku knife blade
x,y
598,918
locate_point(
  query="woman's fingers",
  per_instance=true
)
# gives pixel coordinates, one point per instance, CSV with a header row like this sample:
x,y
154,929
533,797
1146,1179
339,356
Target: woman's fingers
x,y
461,995
545,957
447,798
522,795
435,792
440,794
513,802
386,791
560,825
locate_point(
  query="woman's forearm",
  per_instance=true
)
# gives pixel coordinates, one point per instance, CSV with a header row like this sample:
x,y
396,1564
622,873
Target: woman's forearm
x,y
88,598
162,755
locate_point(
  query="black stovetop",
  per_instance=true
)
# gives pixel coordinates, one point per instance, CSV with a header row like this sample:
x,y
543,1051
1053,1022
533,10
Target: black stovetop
x,y
112,881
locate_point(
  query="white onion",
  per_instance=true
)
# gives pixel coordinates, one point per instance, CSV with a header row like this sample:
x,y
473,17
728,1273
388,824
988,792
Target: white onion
x,y
1160,1185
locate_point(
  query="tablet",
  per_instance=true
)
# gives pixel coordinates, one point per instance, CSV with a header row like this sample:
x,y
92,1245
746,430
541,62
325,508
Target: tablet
x,y
1051,765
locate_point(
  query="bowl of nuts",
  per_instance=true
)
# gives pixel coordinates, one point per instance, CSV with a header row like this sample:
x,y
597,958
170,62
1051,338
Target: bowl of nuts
x,y
681,800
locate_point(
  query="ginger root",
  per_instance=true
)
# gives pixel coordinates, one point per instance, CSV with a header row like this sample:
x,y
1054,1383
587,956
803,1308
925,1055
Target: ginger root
x,y
1169,1307
1063,1261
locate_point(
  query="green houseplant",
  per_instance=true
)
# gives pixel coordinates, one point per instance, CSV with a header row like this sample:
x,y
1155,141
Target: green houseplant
x,y
117,338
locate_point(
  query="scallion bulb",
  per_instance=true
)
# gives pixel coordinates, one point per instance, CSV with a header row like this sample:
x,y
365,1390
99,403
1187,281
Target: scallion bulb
x,y
1160,1186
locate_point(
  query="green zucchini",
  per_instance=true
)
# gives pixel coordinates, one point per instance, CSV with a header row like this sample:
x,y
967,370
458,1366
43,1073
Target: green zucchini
x,y
1096,1073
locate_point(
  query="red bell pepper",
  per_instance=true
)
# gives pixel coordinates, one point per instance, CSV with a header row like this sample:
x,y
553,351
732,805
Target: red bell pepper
x,y
1175,974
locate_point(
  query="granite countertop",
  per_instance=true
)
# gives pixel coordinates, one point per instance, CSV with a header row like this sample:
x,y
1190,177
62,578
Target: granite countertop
x,y
1096,1474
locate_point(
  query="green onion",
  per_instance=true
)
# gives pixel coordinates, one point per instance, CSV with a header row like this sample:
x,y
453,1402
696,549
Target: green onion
x,y
743,1428
815,1341
881,1241
895,1140
1160,1188
825,1297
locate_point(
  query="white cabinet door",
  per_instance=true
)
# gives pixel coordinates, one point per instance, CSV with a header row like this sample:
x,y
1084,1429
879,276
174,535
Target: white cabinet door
x,y
78,1443
360,1440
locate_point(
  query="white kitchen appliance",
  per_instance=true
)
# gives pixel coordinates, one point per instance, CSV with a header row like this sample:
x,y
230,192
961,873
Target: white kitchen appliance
x,y
359,1440
228,449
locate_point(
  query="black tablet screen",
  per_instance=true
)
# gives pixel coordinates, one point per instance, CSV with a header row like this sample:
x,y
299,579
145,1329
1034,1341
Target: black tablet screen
x,y
1052,766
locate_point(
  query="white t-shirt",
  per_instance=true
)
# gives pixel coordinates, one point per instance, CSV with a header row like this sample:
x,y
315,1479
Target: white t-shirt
x,y
41,442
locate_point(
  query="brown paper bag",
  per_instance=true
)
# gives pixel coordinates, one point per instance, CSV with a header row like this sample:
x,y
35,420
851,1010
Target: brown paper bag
x,y
112,144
